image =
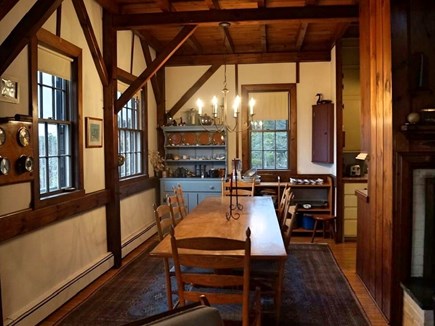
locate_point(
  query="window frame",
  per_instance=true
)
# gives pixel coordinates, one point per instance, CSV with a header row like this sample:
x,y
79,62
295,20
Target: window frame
x,y
63,47
248,90
127,78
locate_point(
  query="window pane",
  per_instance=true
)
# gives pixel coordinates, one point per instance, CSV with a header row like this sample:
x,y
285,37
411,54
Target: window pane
x,y
269,140
52,140
257,159
47,103
281,160
42,139
281,140
269,160
47,79
256,141
269,124
43,175
281,125
53,174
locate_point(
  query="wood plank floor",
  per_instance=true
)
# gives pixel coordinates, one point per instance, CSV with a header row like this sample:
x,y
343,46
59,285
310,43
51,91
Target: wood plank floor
x,y
344,253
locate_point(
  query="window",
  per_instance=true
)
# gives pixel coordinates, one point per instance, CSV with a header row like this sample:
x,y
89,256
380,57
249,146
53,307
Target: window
x,y
131,142
54,131
270,142
58,125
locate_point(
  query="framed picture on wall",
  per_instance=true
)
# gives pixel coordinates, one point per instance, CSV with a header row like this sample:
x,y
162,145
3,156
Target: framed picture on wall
x,y
94,132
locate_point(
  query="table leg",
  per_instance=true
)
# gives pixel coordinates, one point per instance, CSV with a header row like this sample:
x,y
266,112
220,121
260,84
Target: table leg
x,y
278,290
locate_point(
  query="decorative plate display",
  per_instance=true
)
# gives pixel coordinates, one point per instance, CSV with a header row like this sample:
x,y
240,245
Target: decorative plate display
x,y
175,139
2,136
218,138
5,165
203,138
189,138
23,136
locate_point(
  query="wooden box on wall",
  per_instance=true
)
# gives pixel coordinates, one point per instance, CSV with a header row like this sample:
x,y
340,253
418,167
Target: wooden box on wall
x,y
323,133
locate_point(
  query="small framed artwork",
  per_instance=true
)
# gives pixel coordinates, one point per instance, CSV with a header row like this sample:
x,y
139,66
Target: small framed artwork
x,y
94,132
9,90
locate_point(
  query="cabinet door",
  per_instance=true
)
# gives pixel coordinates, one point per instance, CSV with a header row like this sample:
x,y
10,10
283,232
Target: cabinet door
x,y
323,133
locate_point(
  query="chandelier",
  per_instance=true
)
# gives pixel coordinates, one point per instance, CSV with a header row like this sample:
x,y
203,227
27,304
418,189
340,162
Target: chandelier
x,y
219,109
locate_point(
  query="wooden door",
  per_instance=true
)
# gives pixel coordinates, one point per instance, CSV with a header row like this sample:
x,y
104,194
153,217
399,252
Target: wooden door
x,y
323,133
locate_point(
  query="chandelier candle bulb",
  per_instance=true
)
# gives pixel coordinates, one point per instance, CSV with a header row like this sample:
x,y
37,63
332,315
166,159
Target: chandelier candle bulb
x,y
214,102
200,105
251,106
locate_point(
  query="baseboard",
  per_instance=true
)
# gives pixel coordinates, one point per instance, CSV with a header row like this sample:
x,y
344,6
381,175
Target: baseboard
x,y
137,239
35,313
43,307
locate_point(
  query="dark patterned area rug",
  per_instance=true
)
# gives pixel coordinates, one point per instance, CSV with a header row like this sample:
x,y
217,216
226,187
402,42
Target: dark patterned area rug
x,y
315,292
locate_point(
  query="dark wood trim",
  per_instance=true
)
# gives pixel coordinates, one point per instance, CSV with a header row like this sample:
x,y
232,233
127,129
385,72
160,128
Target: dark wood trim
x,y
339,140
25,30
249,58
58,20
19,223
291,89
259,15
158,62
88,31
192,90
138,185
113,209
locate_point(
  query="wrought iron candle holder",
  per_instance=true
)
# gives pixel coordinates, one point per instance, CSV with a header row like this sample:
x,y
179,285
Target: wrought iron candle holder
x,y
232,207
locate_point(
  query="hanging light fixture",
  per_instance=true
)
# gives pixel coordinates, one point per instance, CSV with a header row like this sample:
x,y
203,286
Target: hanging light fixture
x,y
219,112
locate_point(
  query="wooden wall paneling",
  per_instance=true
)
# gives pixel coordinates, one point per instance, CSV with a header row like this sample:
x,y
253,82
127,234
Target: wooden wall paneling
x,y
113,209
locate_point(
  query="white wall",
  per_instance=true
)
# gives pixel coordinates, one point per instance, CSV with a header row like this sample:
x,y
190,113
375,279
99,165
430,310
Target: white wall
x,y
41,270
314,78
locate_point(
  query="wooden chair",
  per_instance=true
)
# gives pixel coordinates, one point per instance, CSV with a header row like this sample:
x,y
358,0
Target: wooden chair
x,y
175,208
242,188
289,223
178,191
286,199
164,222
217,281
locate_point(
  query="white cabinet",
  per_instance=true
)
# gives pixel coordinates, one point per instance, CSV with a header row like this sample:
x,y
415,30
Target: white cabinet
x,y
350,208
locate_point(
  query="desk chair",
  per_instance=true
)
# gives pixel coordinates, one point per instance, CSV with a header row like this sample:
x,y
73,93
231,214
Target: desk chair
x,y
164,222
217,281
242,188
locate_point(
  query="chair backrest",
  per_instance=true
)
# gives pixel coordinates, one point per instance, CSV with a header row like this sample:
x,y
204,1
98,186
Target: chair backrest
x,y
164,220
242,188
291,215
286,199
175,208
178,191
219,257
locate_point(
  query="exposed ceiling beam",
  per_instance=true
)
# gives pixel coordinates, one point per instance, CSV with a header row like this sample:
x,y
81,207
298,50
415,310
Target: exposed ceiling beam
x,y
254,16
109,5
6,6
300,37
250,58
263,39
25,30
158,62
192,90
86,24
149,61
151,40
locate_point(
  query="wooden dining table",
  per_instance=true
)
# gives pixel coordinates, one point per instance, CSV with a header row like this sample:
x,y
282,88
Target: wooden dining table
x,y
208,219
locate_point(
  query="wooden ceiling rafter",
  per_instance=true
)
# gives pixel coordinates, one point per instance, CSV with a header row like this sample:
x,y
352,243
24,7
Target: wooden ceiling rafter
x,y
250,58
109,5
228,40
165,5
94,48
148,61
263,39
339,32
152,69
151,40
300,37
192,90
25,30
250,16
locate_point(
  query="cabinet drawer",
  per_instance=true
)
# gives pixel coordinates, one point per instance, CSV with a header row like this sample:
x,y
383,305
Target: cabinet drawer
x,y
350,213
350,201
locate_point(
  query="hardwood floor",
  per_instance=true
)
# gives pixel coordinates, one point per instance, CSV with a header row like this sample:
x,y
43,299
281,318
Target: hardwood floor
x,y
344,253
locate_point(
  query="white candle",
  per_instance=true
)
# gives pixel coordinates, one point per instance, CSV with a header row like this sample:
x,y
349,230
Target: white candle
x,y
200,105
236,106
214,101
251,106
